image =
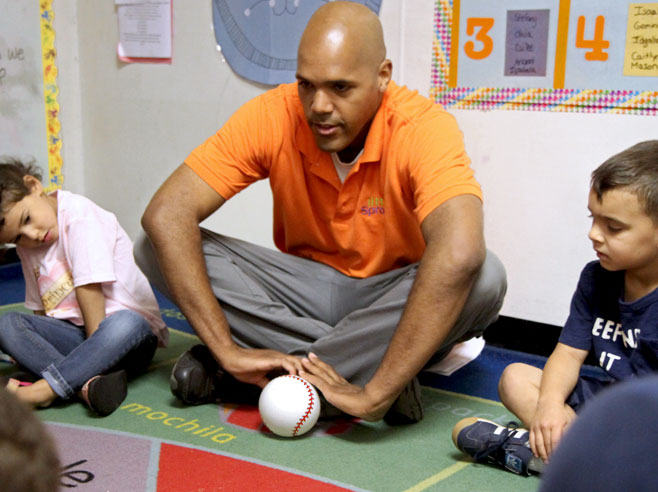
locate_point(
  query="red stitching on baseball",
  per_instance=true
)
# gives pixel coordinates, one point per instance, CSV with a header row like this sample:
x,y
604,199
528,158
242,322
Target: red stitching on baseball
x,y
309,409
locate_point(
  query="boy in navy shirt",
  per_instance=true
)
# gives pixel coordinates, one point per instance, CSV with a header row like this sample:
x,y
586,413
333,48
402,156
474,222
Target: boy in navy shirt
x,y
614,315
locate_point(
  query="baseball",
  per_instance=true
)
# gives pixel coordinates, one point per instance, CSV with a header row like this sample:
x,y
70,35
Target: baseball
x,y
289,406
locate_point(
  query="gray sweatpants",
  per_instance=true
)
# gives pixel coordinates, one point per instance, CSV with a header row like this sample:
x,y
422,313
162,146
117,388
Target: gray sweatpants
x,y
296,306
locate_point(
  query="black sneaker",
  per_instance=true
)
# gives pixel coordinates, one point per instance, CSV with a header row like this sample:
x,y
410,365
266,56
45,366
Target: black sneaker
x,y
103,394
408,407
195,376
198,378
488,442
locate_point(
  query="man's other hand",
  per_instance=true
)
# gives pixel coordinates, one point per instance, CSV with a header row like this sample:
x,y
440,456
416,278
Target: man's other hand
x,y
345,396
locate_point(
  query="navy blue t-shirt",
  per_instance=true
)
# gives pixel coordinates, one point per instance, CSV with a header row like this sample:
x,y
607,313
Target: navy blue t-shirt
x,y
622,335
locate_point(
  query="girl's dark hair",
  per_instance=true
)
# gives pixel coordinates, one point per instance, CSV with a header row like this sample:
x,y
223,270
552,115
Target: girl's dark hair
x,y
635,169
12,185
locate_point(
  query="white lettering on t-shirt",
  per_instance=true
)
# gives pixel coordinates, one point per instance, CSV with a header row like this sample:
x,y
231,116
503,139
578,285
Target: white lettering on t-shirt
x,y
604,329
618,331
607,330
611,360
596,329
630,337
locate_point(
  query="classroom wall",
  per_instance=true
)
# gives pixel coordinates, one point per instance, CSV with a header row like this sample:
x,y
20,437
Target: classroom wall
x,y
125,127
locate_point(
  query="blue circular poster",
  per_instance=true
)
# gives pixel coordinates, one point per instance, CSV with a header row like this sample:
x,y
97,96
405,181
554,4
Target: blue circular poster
x,y
259,38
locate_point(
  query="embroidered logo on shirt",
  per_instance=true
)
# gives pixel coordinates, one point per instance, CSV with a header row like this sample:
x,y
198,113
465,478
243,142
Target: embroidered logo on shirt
x,y
374,206
57,292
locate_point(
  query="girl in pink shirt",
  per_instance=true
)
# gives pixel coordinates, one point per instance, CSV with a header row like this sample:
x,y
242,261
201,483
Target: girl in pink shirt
x,y
96,321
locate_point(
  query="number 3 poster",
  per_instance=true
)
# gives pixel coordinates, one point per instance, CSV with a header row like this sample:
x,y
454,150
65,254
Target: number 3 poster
x,y
555,55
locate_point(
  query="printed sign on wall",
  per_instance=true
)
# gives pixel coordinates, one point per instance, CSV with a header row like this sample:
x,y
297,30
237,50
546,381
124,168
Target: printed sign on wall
x,y
557,55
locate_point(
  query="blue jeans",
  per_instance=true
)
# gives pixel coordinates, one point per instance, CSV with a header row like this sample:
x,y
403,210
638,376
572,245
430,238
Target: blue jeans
x,y
62,354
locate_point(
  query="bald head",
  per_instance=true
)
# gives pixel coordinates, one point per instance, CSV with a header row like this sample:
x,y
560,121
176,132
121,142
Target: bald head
x,y
345,29
342,76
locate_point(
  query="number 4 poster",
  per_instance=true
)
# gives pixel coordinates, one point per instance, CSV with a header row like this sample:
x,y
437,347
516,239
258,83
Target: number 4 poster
x,y
555,55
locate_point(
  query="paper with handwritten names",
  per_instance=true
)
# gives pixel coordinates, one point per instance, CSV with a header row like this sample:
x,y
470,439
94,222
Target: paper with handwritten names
x,y
145,32
641,57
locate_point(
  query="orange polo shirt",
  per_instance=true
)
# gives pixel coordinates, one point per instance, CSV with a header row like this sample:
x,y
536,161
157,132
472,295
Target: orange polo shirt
x,y
413,161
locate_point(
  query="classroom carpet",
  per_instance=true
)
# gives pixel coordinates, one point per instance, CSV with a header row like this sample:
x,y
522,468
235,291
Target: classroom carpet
x,y
155,443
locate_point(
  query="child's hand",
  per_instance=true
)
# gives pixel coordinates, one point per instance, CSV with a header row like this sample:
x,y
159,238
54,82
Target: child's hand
x,y
548,426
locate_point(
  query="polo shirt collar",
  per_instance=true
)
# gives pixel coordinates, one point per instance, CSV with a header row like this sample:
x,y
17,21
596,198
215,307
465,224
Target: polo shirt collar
x,y
372,151
305,139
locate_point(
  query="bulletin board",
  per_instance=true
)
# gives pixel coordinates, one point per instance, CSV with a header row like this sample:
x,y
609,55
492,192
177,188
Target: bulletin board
x,y
29,124
593,56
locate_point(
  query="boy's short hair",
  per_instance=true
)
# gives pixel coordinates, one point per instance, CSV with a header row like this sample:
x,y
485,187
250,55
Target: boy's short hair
x,y
12,186
636,169
28,458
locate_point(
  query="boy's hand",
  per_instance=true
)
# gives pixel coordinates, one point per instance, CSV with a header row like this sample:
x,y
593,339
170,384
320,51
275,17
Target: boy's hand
x,y
553,415
548,426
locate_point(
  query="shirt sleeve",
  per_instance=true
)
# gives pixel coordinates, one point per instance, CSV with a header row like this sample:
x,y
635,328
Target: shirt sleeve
x,y
577,331
237,155
439,165
32,298
90,251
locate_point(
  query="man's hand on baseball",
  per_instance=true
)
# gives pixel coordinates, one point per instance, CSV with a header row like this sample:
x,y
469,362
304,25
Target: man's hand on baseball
x,y
345,396
252,365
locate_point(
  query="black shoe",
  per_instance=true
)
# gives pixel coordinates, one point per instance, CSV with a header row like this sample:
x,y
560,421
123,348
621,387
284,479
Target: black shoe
x,y
195,377
505,446
103,394
408,407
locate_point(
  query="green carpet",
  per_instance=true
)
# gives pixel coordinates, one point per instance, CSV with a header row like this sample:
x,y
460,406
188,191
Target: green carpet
x,y
155,442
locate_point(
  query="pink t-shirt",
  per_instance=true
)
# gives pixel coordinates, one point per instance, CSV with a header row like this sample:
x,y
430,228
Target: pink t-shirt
x,y
91,248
